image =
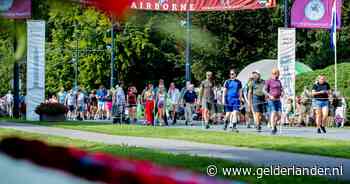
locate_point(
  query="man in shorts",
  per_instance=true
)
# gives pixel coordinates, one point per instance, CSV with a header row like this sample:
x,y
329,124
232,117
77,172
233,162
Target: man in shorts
x,y
320,92
71,102
273,89
101,95
256,98
232,98
206,97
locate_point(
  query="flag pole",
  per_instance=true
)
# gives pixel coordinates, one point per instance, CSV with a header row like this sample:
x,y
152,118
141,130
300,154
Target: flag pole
x,y
335,64
335,50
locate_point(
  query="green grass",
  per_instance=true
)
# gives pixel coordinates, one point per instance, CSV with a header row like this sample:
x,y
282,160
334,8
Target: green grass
x,y
194,163
325,147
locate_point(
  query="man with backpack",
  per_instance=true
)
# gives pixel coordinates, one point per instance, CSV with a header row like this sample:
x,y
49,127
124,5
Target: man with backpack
x,y
256,98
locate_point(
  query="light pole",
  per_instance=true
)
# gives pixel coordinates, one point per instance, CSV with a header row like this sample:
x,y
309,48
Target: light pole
x,y
112,56
188,46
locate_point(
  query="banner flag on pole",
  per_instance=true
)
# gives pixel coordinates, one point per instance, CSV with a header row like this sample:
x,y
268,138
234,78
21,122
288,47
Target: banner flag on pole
x,y
315,13
333,27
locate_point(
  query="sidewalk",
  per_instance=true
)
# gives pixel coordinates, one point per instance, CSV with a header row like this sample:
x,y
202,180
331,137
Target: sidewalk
x,y
256,157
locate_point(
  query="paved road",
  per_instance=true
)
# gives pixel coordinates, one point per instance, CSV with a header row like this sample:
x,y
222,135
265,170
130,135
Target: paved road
x,y
237,154
306,132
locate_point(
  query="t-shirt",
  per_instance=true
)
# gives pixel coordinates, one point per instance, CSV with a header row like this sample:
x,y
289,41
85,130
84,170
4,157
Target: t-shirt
x,y
174,95
274,87
257,87
101,94
190,96
208,92
321,87
71,99
81,99
61,97
233,86
131,98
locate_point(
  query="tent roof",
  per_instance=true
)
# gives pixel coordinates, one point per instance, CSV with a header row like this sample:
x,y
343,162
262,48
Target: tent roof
x,y
265,66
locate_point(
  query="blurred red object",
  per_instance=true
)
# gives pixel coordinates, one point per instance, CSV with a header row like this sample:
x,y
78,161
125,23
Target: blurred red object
x,y
100,166
114,7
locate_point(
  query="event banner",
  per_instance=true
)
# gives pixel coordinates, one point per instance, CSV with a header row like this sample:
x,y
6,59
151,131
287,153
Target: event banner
x,y
314,13
35,67
15,9
201,5
286,62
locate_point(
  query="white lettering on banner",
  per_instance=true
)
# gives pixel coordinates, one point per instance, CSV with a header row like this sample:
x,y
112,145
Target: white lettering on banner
x,y
165,6
35,67
183,7
174,7
286,63
148,6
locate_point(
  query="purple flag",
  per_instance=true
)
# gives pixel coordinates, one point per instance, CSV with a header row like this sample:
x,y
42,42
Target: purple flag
x,y
15,9
314,13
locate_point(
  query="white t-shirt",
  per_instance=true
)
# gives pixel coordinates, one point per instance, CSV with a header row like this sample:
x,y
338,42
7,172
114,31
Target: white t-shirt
x,y
9,98
174,95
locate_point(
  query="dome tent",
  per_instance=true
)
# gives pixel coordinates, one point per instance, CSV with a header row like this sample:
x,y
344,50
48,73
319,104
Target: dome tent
x,y
265,66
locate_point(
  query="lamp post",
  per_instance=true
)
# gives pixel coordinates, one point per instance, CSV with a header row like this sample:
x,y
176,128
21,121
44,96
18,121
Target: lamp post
x,y
188,46
112,56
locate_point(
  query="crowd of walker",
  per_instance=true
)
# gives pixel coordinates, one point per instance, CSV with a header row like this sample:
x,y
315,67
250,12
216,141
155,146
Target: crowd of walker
x,y
253,104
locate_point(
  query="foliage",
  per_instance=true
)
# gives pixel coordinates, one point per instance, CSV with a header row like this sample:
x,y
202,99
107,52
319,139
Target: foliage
x,y
151,45
51,109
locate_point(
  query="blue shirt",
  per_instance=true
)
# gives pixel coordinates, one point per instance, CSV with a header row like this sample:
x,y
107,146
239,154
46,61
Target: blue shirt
x,y
233,87
101,94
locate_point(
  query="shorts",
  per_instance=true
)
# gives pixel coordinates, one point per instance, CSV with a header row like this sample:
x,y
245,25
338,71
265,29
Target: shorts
x,y
108,106
80,108
100,105
232,104
320,104
275,106
160,104
71,107
258,103
209,105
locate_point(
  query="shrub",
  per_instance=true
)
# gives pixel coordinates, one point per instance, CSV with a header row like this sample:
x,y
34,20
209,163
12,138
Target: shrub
x,y
51,109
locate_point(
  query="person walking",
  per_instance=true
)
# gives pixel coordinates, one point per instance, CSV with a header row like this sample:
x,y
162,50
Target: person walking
x,y
189,98
256,98
321,92
80,105
174,95
273,89
101,95
149,107
71,102
232,98
132,103
206,97
61,95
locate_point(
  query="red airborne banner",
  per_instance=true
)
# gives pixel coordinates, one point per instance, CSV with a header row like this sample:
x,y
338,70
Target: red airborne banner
x,y
201,5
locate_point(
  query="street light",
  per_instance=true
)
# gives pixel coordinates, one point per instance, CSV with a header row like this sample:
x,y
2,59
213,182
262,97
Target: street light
x,y
188,46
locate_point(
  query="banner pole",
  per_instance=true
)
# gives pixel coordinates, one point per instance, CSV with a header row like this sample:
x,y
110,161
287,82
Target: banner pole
x,y
285,13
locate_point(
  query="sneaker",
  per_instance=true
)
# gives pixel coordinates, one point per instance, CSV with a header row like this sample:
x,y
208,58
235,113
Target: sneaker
x,y
258,128
274,131
323,129
235,130
186,123
318,130
226,124
207,127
